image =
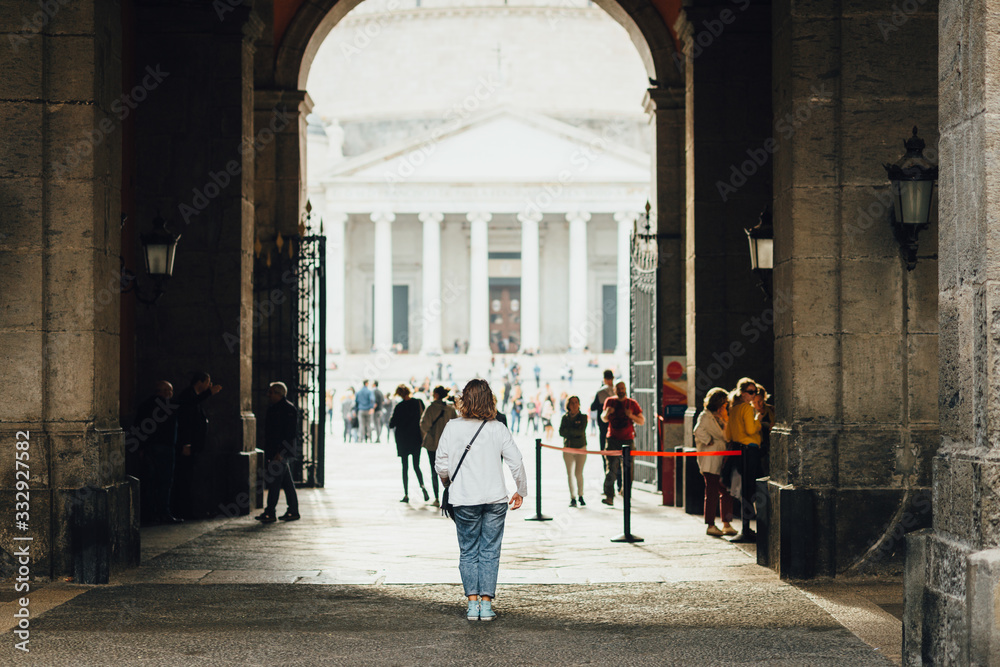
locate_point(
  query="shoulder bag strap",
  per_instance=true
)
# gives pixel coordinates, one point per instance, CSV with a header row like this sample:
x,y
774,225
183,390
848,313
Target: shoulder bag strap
x,y
467,448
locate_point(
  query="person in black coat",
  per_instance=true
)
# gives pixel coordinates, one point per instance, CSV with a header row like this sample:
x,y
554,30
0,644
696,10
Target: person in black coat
x,y
406,420
155,432
281,432
190,480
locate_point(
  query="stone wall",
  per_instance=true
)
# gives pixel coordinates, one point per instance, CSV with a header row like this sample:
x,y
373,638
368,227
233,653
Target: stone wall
x,y
60,194
197,145
856,351
951,612
730,318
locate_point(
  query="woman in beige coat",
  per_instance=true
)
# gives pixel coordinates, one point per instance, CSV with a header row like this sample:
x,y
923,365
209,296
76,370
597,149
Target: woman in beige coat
x,y
709,436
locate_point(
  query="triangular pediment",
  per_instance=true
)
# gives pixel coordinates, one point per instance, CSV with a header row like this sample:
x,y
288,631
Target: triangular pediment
x,y
499,146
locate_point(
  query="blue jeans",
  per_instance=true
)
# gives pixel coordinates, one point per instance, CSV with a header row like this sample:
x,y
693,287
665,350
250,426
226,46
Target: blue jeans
x,y
480,532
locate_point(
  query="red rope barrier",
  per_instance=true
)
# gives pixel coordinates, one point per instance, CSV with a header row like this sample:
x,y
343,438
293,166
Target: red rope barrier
x,y
617,452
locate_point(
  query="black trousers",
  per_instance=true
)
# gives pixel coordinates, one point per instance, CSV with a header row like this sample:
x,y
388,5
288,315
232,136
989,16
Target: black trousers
x,y
434,477
749,472
277,478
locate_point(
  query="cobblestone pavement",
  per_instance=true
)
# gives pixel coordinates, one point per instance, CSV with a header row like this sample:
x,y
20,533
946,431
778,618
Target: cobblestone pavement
x,y
366,579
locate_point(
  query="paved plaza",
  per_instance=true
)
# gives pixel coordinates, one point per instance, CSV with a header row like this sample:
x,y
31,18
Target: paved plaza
x,y
363,579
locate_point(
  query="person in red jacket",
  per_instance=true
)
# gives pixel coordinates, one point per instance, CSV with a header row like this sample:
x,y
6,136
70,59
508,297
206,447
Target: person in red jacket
x,y
621,414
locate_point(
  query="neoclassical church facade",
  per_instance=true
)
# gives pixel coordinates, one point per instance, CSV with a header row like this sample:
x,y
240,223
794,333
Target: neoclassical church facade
x,y
430,241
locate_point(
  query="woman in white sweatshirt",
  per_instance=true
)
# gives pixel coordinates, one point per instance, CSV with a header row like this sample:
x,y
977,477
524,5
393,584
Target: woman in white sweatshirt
x,y
478,492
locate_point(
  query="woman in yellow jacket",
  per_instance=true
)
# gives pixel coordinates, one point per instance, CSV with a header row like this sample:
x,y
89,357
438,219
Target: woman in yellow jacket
x,y
744,430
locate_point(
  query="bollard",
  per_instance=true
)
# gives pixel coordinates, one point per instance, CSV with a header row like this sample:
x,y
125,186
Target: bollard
x,y
627,536
538,484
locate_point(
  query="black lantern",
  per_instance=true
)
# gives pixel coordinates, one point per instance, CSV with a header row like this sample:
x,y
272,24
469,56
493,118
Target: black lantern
x,y
761,238
159,248
912,188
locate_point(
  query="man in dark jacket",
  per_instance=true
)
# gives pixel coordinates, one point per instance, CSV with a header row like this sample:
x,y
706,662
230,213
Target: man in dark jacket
x,y
155,432
191,480
281,431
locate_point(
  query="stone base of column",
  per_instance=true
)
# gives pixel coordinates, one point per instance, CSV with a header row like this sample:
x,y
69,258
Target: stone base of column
x,y
479,350
825,532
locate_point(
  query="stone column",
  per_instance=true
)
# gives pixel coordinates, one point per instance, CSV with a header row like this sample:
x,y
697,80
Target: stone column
x,y
530,282
335,225
579,296
431,308
59,333
846,313
479,282
382,304
625,223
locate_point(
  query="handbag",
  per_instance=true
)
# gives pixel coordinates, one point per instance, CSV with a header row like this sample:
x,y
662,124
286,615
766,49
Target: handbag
x,y
447,509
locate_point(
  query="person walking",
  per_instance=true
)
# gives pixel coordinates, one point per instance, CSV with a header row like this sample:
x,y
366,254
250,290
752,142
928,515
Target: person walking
x,y
347,412
364,403
606,391
435,418
406,420
281,434
517,406
378,415
573,429
470,459
709,436
621,413
745,431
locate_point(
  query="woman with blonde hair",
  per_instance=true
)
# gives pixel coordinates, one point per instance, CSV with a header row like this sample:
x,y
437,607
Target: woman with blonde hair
x,y
470,458
709,436
573,430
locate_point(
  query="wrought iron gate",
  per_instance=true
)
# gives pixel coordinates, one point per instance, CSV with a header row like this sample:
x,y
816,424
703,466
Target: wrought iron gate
x,y
642,350
289,340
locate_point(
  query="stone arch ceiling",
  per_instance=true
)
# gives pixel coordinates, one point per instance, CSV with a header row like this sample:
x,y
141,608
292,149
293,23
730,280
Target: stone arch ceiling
x,y
285,12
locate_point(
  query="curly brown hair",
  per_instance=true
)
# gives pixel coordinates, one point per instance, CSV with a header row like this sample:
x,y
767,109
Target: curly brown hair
x,y
478,401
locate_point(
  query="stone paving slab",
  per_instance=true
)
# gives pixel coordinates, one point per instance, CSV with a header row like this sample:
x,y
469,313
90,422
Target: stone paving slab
x,y
701,624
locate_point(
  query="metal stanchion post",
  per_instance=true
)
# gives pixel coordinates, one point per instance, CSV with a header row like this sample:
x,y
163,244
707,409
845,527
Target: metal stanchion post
x,y
538,484
627,536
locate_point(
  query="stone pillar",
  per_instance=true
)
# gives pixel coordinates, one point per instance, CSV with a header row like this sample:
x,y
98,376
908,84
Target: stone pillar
x,y
846,313
579,302
335,226
479,282
531,334
61,175
382,305
431,309
203,119
954,612
625,223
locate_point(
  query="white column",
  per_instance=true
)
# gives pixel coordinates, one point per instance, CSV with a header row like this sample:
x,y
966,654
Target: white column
x,y
479,283
432,305
335,224
579,298
625,222
530,282
382,334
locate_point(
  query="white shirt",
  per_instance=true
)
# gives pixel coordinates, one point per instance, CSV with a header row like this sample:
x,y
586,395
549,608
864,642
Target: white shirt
x,y
480,481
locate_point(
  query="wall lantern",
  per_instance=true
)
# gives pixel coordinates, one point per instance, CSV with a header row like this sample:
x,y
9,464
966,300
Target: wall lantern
x,y
159,248
761,239
912,187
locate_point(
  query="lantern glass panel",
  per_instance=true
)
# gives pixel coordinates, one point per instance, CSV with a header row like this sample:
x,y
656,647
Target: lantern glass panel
x,y
159,259
753,252
765,254
915,200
